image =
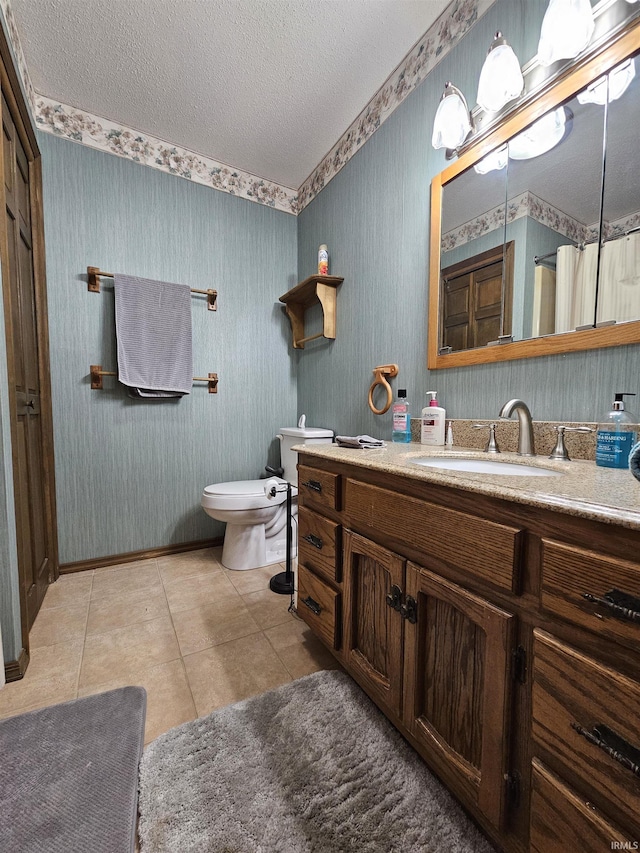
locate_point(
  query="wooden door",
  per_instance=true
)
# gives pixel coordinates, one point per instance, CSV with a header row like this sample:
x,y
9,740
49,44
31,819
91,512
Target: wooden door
x,y
476,299
372,627
24,339
456,706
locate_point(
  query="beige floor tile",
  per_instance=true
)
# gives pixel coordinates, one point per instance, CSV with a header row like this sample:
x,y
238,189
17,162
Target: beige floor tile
x,y
51,677
299,650
69,590
195,591
252,580
213,624
59,625
228,673
117,610
121,579
123,652
169,699
268,608
178,566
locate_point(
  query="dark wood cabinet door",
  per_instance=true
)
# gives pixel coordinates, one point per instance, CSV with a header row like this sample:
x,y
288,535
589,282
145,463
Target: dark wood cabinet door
x,y
29,477
457,686
372,628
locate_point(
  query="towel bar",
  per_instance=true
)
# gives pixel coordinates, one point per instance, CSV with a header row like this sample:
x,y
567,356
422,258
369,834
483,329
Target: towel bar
x,y
95,273
96,372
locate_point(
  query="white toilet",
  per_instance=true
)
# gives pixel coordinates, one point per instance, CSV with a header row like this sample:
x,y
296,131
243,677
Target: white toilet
x,y
256,532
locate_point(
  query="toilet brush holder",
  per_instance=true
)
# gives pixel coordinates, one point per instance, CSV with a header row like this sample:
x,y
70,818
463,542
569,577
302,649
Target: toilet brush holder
x,y
282,583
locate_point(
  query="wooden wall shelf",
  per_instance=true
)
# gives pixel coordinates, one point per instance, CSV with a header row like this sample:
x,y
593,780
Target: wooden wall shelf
x,y
320,288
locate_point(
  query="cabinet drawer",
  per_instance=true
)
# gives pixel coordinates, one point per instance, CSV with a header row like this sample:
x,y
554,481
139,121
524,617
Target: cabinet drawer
x,y
319,606
482,548
318,488
577,699
319,544
570,573
562,821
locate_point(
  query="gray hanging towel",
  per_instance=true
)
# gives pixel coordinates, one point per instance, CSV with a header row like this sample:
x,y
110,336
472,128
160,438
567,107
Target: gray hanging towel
x,y
153,331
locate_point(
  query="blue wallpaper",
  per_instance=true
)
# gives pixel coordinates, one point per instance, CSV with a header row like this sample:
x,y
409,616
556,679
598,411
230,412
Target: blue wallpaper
x,y
129,473
374,216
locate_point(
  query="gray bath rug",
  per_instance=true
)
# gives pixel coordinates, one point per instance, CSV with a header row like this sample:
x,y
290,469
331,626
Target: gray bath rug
x,y
311,767
69,775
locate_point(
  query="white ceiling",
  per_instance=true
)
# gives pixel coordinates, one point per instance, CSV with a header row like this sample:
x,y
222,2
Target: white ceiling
x,y
265,86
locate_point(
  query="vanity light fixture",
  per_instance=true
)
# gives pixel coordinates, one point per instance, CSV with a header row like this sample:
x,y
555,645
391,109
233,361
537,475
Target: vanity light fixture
x,y
567,28
501,79
614,84
452,123
542,136
494,161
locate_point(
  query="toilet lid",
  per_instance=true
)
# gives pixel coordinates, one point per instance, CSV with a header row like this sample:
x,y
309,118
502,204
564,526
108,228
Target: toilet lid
x,y
242,494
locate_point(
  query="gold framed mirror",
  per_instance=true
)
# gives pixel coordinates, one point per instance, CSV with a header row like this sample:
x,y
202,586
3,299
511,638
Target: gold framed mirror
x,y
536,326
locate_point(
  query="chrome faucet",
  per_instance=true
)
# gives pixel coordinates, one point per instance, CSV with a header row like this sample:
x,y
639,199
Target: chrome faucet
x,y
525,425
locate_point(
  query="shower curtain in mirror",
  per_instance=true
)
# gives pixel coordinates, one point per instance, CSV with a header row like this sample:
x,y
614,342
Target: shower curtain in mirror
x,y
619,289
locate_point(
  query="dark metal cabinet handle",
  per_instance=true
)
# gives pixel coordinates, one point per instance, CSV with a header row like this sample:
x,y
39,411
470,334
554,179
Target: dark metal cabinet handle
x,y
316,541
615,746
394,598
312,605
314,485
619,604
409,610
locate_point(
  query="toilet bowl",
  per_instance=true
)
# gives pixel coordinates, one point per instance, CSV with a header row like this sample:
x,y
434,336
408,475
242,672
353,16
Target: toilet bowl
x,y
256,531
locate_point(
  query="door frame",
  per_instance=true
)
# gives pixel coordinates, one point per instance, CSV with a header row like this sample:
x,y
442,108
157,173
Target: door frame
x,y
19,110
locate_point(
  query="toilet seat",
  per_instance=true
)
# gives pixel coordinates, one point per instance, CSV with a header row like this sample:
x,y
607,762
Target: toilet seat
x,y
242,494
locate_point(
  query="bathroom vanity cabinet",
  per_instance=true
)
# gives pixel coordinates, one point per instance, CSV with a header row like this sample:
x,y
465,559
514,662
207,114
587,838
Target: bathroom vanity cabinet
x,y
464,617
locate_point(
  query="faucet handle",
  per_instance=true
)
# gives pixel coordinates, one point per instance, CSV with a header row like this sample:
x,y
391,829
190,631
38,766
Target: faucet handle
x,y
492,444
560,450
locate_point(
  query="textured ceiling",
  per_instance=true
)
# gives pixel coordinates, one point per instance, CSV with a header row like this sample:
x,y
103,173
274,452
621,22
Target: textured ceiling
x,y
265,86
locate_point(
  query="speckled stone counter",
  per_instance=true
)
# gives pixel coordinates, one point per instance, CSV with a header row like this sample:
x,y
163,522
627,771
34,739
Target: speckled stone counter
x,y
602,494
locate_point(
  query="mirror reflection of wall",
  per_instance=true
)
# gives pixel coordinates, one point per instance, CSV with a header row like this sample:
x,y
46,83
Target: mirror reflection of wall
x,y
554,199
619,281
476,277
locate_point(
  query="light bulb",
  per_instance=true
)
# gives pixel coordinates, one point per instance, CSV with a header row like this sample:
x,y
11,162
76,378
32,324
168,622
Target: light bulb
x,y
501,79
452,122
567,28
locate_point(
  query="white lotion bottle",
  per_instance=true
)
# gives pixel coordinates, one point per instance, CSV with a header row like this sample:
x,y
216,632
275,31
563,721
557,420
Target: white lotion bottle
x,y
433,422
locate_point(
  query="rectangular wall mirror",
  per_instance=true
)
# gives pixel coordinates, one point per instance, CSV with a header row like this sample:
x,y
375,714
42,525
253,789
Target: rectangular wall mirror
x,y
535,238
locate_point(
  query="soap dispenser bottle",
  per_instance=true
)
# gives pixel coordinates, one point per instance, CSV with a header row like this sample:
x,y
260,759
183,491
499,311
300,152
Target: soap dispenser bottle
x,y
433,422
616,435
401,418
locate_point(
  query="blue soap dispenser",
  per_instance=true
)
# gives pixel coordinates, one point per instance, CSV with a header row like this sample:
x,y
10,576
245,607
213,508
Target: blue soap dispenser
x,y
616,435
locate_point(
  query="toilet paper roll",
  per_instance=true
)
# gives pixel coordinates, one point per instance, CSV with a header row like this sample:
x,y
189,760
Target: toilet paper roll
x,y
271,487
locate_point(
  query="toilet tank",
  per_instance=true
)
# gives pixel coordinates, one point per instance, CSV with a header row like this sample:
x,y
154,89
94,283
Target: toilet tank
x,y
299,435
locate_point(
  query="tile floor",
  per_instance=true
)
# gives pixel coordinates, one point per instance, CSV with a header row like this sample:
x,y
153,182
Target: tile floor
x,y
195,635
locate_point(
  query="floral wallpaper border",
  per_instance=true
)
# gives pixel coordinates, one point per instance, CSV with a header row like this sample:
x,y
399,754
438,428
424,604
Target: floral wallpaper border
x,y
104,135
526,204
109,136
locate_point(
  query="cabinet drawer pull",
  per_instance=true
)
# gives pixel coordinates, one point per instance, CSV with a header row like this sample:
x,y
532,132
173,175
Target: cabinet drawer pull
x,y
312,605
620,604
314,485
615,746
316,541
394,598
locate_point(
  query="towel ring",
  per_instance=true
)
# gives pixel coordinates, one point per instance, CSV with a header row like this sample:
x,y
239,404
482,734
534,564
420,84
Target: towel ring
x,y
379,379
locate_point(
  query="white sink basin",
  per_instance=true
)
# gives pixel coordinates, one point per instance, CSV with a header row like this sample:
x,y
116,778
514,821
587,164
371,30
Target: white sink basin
x,y
487,466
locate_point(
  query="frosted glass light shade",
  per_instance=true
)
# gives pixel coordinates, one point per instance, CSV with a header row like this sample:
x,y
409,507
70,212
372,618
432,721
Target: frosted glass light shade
x,y
619,80
501,79
494,161
542,136
567,28
452,123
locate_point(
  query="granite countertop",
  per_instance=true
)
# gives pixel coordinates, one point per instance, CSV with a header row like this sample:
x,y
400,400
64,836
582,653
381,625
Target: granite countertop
x,y
608,495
